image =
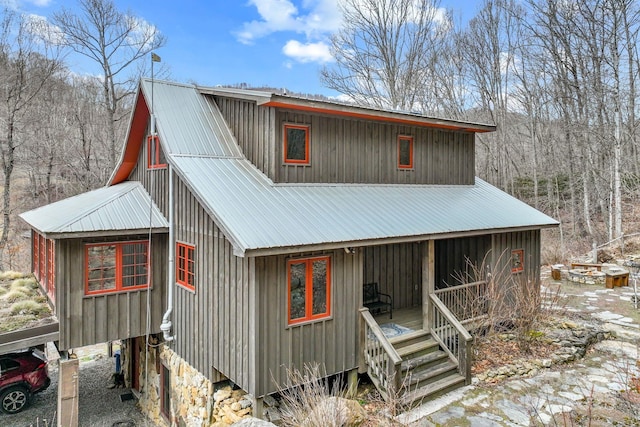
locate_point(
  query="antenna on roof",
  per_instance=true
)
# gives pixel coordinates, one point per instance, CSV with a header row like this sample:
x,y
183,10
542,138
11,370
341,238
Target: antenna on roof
x,y
154,58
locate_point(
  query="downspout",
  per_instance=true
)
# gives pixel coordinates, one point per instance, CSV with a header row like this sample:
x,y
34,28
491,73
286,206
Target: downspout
x,y
166,326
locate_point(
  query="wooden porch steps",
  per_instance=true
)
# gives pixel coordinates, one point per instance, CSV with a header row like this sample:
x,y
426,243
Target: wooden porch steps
x,y
427,371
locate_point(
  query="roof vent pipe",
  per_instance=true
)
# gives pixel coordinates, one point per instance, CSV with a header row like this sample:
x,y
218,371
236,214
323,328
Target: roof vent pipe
x,y
166,326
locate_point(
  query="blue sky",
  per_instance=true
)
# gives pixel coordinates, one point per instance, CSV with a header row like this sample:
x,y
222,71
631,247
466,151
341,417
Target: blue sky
x,y
279,43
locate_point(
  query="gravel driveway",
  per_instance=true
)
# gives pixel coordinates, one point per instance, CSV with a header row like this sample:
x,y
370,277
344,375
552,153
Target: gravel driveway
x,y
99,406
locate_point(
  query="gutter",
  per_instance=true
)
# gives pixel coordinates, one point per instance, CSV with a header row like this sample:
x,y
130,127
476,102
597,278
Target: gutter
x,y
166,325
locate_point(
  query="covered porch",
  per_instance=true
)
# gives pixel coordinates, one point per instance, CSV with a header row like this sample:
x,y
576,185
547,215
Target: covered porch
x,y
421,348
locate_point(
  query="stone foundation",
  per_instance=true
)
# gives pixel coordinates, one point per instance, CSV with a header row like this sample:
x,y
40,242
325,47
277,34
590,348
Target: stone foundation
x,y
193,401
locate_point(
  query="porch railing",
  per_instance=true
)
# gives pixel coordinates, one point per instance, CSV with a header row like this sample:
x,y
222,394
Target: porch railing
x,y
383,361
451,335
466,302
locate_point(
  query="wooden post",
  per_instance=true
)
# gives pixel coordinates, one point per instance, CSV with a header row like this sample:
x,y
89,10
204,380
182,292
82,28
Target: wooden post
x,y
68,388
352,383
428,280
258,407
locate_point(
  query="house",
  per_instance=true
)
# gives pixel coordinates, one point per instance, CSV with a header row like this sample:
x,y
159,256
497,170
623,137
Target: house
x,y
237,232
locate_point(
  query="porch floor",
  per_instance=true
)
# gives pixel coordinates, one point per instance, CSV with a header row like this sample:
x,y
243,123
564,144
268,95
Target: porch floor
x,y
408,317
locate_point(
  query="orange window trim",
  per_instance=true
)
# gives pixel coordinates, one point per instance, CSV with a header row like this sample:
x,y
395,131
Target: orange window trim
x,y
42,258
402,138
36,254
153,153
309,316
118,264
306,144
185,266
51,284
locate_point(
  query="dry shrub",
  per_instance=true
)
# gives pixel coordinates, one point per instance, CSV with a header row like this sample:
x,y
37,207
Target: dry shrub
x,y
310,400
11,275
14,295
28,307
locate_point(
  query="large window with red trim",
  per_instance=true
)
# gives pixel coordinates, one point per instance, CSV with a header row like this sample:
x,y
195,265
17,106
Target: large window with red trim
x,y
405,152
309,289
116,267
296,144
155,156
44,263
51,267
185,266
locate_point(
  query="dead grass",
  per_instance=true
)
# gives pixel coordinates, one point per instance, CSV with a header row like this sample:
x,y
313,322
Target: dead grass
x,y
22,304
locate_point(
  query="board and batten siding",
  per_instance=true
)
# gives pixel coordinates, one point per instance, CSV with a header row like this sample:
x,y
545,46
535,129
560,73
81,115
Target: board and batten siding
x,y
214,326
86,320
397,269
332,342
155,181
529,242
347,150
456,259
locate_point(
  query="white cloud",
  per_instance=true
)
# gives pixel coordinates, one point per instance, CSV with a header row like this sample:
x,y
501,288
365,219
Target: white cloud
x,y
41,3
41,27
307,52
322,17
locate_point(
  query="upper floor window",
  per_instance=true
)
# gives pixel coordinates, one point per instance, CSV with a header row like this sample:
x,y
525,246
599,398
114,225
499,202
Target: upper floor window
x,y
44,263
115,267
309,289
296,144
185,266
155,155
405,152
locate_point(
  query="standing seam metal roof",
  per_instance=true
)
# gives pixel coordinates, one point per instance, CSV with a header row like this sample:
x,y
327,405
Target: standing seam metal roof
x,y
256,214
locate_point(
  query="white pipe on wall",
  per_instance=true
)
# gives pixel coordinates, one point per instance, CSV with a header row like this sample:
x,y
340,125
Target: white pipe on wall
x,y
166,325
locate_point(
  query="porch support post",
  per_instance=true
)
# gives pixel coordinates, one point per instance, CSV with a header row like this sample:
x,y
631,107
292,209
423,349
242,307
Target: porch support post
x,y
428,280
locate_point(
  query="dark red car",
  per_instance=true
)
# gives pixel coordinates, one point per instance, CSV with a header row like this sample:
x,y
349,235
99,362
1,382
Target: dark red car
x,y
21,374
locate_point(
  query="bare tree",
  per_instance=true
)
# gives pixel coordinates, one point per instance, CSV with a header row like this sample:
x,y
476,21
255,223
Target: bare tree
x,y
115,40
386,50
26,65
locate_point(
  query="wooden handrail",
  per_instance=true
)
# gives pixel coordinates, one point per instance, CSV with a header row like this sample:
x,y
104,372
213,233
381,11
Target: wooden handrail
x,y
458,287
450,317
384,364
382,339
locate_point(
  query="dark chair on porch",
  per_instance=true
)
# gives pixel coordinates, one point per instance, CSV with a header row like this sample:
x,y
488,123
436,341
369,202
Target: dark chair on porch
x,y
376,301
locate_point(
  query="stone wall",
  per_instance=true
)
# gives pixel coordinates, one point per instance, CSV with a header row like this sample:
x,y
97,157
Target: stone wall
x,y
193,401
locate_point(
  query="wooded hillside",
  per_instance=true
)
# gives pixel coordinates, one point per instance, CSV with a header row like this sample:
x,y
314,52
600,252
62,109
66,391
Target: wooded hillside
x,y
558,78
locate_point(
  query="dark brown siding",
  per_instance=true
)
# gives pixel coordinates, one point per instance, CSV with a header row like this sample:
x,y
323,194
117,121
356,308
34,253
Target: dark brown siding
x,y
529,242
155,181
398,271
332,342
456,258
215,325
345,150
101,318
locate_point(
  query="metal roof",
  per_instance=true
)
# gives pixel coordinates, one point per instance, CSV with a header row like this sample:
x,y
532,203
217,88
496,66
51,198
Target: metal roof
x,y
257,215
123,207
191,123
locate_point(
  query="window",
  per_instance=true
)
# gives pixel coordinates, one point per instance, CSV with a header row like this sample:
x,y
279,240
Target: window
x,y
405,152
44,263
296,144
155,155
36,254
309,289
51,284
517,260
165,392
185,266
115,267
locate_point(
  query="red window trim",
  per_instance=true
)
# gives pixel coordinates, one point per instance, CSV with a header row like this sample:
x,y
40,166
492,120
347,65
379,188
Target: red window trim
x,y
186,277
36,254
517,260
306,129
118,277
410,139
308,290
51,265
155,162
